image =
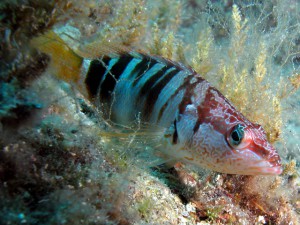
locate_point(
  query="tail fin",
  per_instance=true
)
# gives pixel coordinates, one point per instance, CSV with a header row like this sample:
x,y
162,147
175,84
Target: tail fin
x,y
65,63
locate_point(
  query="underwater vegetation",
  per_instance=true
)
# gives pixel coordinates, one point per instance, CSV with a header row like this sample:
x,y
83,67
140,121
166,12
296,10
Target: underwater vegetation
x,y
61,163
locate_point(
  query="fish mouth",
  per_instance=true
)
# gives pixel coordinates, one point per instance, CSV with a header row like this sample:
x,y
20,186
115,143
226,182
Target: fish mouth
x,y
263,166
276,170
266,170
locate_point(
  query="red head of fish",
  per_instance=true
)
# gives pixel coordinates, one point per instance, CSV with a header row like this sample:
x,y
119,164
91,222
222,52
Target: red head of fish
x,y
225,141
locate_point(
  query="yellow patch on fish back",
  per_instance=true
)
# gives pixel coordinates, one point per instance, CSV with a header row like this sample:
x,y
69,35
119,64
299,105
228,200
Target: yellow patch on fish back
x,y
64,61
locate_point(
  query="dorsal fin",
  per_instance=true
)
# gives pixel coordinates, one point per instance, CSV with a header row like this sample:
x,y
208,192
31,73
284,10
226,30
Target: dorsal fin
x,y
98,49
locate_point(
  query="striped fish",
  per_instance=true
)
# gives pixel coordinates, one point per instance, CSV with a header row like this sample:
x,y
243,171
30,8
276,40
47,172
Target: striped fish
x,y
200,126
137,85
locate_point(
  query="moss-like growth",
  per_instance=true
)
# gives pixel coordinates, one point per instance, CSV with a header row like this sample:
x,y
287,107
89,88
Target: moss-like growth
x,y
144,207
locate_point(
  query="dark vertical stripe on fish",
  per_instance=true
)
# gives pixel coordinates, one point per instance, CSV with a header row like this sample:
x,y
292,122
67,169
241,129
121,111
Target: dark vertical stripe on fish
x,y
151,80
189,91
199,109
181,87
155,91
95,75
175,135
197,124
141,68
187,99
112,77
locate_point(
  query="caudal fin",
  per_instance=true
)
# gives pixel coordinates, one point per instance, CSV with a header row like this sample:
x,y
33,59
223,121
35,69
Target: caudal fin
x,y
65,63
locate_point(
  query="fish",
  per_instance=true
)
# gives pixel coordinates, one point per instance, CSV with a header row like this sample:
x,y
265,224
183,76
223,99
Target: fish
x,y
200,126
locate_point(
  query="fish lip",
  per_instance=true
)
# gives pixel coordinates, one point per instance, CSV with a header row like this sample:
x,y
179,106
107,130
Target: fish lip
x,y
264,166
275,170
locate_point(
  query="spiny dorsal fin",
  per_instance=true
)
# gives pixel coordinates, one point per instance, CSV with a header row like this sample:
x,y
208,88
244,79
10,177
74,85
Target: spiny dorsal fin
x,y
101,48
98,49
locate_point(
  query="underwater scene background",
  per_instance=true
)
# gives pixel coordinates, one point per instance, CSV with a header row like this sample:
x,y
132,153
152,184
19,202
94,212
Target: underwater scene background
x,y
61,163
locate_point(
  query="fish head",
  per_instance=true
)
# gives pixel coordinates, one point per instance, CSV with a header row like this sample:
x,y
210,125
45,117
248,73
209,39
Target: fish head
x,y
251,153
225,141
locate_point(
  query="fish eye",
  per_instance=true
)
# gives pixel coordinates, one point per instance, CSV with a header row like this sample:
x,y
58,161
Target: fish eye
x,y
236,136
